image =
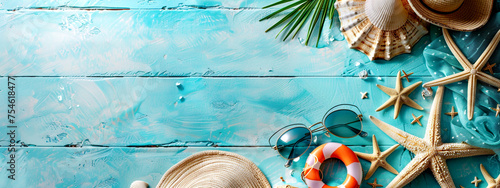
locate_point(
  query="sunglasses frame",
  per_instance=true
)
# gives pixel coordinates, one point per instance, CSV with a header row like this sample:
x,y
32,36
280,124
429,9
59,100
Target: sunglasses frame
x,y
329,112
309,145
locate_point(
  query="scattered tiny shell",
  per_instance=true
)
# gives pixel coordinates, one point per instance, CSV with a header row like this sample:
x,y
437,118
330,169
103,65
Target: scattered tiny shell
x,y
363,74
427,92
380,28
139,184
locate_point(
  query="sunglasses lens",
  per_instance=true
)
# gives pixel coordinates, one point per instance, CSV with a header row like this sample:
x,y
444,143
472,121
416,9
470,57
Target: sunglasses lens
x,y
343,123
294,142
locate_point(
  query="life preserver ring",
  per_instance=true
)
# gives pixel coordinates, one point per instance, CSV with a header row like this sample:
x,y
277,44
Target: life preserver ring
x,y
333,150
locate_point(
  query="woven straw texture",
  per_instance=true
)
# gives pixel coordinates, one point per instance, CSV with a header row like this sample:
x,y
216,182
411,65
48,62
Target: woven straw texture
x,y
214,169
471,15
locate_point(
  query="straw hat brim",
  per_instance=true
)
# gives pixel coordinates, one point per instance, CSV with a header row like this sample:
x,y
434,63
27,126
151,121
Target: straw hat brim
x,y
214,169
471,15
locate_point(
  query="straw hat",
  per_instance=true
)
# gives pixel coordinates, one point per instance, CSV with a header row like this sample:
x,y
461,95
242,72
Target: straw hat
x,y
461,15
214,169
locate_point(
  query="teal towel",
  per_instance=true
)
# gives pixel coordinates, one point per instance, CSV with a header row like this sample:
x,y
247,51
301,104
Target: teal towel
x,y
484,129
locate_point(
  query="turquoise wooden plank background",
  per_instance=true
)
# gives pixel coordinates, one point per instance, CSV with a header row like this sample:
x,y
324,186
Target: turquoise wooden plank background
x,y
193,42
99,105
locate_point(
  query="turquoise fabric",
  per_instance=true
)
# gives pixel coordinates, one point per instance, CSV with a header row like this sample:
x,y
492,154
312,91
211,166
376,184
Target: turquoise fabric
x,y
484,129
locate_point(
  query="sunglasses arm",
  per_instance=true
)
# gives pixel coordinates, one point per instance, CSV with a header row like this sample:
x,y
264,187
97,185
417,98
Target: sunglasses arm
x,y
288,163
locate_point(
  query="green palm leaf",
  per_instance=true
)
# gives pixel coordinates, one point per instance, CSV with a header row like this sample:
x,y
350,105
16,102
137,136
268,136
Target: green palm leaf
x,y
302,10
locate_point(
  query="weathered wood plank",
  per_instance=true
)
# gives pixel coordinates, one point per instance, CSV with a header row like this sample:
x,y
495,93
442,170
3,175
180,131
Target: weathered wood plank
x,y
118,167
213,111
133,4
175,43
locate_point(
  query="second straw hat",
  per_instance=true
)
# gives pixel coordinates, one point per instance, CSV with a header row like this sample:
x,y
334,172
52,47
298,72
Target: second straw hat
x,y
460,15
214,169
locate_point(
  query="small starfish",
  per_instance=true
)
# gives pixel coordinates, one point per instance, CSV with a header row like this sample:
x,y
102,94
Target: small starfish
x,y
476,181
452,113
497,110
498,90
364,95
377,158
430,152
416,119
375,184
489,68
399,96
406,75
492,183
471,72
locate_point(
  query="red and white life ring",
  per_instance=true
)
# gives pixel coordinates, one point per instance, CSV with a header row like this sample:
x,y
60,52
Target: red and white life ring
x,y
333,150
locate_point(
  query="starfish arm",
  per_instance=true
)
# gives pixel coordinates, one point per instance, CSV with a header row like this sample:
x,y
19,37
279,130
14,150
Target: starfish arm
x,y
365,156
410,142
411,171
389,168
388,103
456,51
471,96
387,152
441,172
397,107
385,164
386,90
488,79
376,149
399,84
373,168
448,79
485,56
458,150
433,130
487,176
411,103
411,88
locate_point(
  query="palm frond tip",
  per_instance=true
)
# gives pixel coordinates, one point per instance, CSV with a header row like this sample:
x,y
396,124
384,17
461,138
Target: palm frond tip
x,y
302,10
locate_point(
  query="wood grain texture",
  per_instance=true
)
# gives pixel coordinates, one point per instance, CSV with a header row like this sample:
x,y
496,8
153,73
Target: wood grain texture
x,y
98,104
215,42
118,167
133,4
213,111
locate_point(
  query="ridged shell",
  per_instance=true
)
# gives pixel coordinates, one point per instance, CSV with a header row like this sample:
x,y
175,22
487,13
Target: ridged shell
x,y
380,28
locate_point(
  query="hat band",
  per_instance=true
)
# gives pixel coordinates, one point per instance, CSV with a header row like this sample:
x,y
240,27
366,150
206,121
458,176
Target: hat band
x,y
440,8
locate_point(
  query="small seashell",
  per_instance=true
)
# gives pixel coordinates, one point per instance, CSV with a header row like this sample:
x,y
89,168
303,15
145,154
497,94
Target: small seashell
x,y
380,28
427,92
139,184
363,74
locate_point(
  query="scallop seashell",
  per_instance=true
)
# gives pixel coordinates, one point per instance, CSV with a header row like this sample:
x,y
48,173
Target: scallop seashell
x,y
380,28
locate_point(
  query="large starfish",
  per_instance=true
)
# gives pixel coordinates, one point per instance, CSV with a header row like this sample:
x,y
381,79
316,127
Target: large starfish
x,y
378,158
399,96
492,183
429,152
471,72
